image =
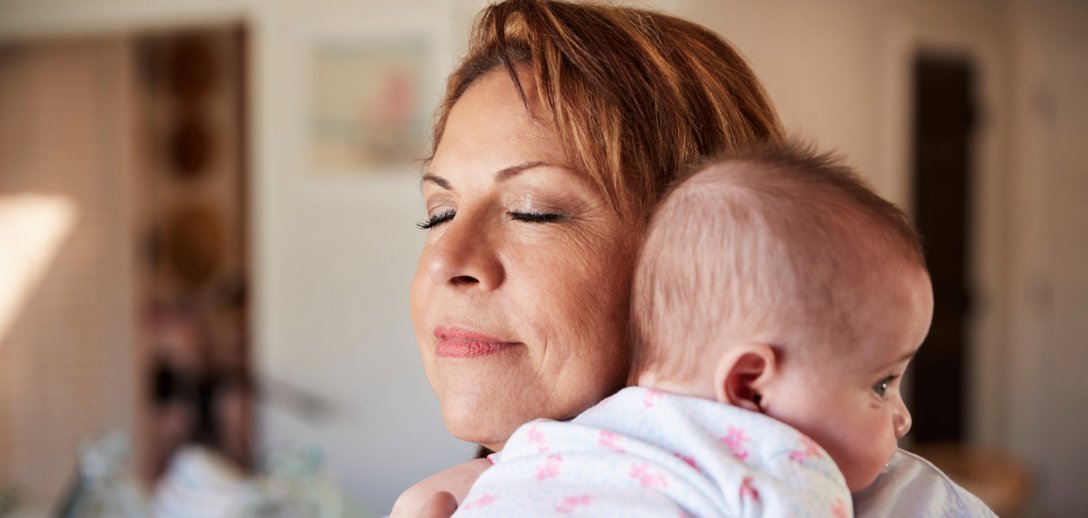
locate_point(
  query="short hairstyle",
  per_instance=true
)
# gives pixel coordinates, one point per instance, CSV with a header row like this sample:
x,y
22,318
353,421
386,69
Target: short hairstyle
x,y
775,236
634,95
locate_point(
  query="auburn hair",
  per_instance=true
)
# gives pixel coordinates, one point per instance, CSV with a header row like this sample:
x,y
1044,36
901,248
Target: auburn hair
x,y
634,95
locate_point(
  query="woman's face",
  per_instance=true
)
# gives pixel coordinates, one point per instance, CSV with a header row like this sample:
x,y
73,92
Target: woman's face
x,y
519,300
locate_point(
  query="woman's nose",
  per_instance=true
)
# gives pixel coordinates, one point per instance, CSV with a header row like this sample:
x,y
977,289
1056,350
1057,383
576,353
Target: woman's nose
x,y
465,256
901,420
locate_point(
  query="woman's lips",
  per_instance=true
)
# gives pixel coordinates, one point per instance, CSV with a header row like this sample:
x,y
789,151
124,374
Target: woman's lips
x,y
454,342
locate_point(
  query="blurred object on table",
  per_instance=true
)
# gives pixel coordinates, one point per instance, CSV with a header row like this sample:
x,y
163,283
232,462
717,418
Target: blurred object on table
x,y
201,482
104,485
198,482
293,485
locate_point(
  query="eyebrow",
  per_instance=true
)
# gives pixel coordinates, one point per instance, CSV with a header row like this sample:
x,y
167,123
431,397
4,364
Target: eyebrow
x,y
902,358
905,357
500,175
909,355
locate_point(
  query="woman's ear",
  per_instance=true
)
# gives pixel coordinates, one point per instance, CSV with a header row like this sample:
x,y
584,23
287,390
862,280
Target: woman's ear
x,y
742,374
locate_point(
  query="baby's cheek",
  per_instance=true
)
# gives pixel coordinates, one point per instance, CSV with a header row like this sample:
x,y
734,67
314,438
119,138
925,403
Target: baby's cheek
x,y
871,461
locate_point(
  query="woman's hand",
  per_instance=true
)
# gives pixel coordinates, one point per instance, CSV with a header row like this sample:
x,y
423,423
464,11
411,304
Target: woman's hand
x,y
441,505
438,495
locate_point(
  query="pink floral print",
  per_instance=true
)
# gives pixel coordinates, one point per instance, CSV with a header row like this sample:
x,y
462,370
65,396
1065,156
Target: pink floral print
x,y
479,503
608,440
809,450
651,395
550,468
641,473
536,437
570,503
560,455
838,509
737,441
748,491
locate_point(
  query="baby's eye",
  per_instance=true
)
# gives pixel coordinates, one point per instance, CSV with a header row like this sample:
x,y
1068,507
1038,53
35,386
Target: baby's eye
x,y
881,387
535,217
437,219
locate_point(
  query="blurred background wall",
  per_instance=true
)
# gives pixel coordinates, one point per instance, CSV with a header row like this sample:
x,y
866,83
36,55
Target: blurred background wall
x,y
330,246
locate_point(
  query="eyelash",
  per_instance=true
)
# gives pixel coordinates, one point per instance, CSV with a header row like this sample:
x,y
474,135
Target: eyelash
x,y
535,217
881,387
526,217
436,219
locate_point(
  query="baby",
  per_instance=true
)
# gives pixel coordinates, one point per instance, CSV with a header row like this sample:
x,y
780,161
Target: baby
x,y
775,307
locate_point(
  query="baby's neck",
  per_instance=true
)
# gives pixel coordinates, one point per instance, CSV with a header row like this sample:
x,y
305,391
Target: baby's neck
x,y
684,388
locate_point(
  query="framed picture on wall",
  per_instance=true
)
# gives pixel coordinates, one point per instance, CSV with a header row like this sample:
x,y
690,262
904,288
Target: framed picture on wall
x,y
368,98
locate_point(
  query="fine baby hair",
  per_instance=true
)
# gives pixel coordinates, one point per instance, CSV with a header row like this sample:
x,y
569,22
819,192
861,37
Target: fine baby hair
x,y
773,239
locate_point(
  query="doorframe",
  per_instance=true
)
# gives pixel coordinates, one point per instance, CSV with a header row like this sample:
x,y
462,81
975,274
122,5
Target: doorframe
x,y
988,275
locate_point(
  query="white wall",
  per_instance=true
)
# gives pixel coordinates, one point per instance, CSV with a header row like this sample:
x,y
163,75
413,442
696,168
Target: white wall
x,y
337,255
334,255
1047,382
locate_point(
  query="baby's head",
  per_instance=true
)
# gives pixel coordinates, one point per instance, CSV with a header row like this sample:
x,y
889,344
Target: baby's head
x,y
777,281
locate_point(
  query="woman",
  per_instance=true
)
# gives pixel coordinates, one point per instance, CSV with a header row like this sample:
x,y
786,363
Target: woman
x,y
537,192
558,133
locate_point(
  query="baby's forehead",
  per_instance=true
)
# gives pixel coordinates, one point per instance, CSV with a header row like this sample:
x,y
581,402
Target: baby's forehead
x,y
882,316
895,321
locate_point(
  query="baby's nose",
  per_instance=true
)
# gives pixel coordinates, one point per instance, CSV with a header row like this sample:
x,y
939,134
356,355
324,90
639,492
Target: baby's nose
x,y
901,421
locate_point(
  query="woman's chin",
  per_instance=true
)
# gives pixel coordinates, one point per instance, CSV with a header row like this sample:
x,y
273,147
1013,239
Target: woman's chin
x,y
477,433
478,424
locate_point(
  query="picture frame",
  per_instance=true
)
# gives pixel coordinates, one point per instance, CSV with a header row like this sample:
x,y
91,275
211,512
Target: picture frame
x,y
366,94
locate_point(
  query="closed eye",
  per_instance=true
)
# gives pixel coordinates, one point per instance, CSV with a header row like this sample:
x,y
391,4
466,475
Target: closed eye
x,y
535,217
437,219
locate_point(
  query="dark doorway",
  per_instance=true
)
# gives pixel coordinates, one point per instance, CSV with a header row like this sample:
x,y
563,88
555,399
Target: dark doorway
x,y
944,116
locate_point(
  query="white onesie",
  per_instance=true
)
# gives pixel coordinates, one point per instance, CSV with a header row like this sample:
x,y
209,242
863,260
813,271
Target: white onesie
x,y
643,452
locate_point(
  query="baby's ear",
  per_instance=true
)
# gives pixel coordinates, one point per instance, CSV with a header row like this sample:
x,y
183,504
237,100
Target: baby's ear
x,y
742,373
